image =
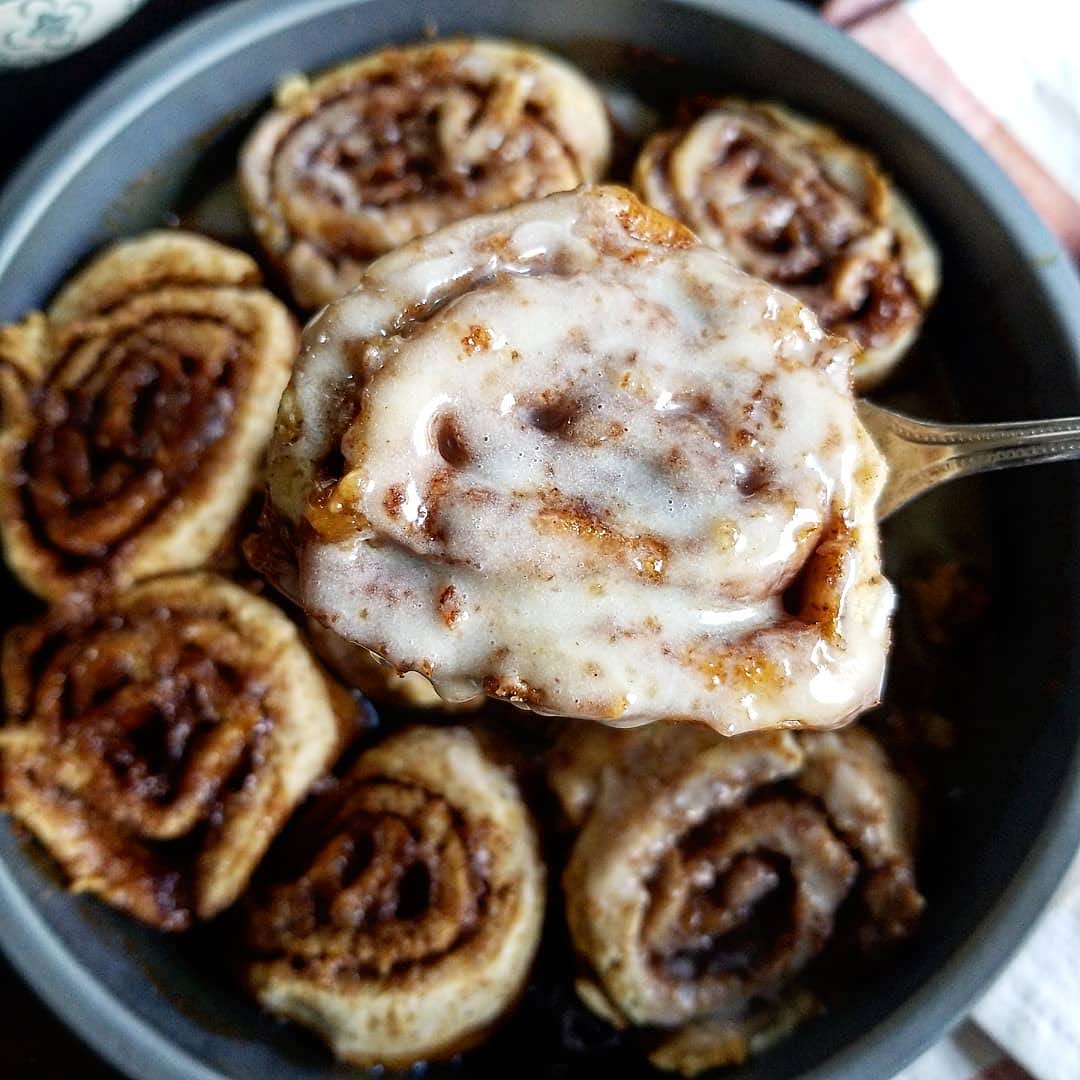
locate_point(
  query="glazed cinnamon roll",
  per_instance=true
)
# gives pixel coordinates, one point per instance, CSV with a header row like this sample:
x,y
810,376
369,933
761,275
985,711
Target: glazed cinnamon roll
x,y
156,745
357,667
408,920
791,202
400,142
136,412
708,875
571,457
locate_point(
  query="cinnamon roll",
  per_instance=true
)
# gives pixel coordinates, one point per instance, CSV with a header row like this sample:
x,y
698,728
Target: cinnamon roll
x,y
790,201
567,455
359,668
405,140
708,875
156,745
408,920
136,412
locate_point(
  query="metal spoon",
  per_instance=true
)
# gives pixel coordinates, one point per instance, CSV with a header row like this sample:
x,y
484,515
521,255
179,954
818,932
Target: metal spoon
x,y
922,455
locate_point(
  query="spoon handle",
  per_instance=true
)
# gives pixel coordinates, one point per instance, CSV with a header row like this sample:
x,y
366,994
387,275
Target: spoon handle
x,y
922,455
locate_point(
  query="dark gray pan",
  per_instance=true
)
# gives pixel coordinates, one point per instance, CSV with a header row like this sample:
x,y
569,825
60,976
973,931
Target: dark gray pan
x,y
1005,339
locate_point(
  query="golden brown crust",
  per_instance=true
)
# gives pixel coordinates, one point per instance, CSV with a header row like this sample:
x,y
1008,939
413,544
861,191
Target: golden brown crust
x,y
406,923
792,202
156,745
708,874
135,413
400,142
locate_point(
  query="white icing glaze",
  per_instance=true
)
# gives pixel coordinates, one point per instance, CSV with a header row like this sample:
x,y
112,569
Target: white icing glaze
x,y
584,457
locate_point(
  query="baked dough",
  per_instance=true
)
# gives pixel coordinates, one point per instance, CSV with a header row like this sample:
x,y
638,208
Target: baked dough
x,y
408,922
136,412
155,746
790,201
403,141
709,874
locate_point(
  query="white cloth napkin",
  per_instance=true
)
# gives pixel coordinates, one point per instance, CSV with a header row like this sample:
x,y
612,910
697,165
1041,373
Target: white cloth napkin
x,y
1028,1023
1022,62
1007,70
1033,1010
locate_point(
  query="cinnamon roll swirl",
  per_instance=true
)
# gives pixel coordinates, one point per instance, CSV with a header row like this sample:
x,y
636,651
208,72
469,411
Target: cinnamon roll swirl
x,y
136,412
401,142
791,202
708,874
408,923
569,456
156,745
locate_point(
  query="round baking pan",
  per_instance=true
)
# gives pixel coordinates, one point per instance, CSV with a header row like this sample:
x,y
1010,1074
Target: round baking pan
x,y
1005,337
